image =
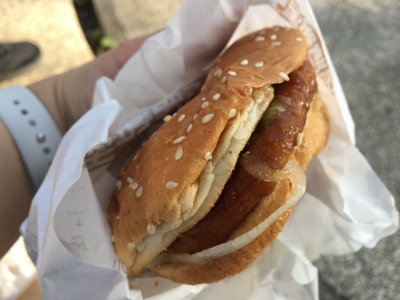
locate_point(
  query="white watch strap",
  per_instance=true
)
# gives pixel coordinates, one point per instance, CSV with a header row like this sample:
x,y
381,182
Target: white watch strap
x,y
33,129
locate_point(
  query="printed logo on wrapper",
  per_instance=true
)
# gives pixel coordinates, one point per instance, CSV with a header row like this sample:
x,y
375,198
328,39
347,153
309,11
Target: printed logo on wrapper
x,y
79,202
290,10
79,242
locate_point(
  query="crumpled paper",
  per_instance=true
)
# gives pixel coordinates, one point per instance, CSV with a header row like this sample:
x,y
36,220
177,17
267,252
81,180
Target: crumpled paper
x,y
345,207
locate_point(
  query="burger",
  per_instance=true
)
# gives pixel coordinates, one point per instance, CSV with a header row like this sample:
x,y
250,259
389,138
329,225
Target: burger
x,y
216,183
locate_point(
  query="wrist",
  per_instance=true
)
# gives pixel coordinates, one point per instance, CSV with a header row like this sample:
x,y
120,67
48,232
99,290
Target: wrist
x,y
15,190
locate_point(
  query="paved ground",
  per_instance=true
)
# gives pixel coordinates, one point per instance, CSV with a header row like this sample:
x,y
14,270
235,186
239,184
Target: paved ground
x,y
117,19
53,26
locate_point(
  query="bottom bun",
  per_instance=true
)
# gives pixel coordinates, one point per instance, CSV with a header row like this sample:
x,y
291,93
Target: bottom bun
x,y
315,137
233,263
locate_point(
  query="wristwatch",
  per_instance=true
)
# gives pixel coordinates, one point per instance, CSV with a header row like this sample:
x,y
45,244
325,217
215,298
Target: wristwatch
x,y
33,129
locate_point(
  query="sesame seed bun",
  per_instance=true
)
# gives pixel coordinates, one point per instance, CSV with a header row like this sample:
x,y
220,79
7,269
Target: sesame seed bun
x,y
174,180
315,136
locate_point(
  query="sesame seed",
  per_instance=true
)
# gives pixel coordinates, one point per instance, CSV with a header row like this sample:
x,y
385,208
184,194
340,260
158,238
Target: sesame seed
x,y
117,217
174,115
167,118
195,116
189,128
299,139
119,185
231,113
218,72
249,91
276,29
299,39
139,192
244,62
284,76
208,156
171,185
131,246
129,180
134,186
240,135
216,96
137,154
181,118
259,64
112,239
209,167
275,44
137,166
151,228
202,99
178,140
262,31
273,37
259,39
207,118
232,73
223,79
204,104
178,153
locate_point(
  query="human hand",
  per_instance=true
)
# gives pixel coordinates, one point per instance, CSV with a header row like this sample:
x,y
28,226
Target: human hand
x,y
69,95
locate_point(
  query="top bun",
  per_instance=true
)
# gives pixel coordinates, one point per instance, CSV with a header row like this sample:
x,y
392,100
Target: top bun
x,y
176,177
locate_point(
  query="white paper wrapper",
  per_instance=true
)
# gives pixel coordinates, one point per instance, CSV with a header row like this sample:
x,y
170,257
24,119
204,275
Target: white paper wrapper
x,y
345,207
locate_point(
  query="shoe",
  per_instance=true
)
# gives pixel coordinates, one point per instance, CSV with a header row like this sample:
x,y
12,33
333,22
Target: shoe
x,y
16,57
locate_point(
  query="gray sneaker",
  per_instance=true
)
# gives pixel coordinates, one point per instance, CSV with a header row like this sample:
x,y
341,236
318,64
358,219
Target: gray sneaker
x,y
16,57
